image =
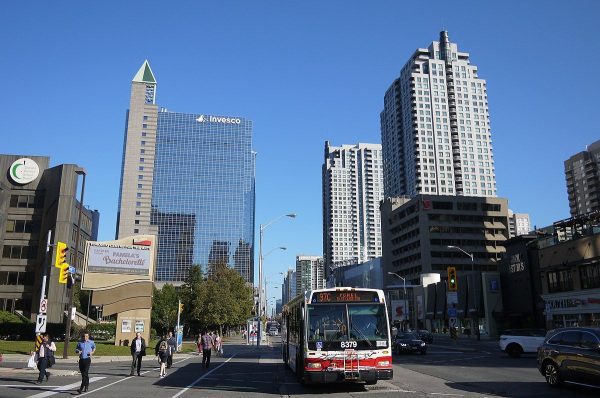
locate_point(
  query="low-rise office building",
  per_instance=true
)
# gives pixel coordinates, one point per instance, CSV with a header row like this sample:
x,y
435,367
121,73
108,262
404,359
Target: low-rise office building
x,y
35,199
427,234
569,264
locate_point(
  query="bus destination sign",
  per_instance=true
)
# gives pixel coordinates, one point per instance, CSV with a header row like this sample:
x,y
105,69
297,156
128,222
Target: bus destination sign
x,y
345,297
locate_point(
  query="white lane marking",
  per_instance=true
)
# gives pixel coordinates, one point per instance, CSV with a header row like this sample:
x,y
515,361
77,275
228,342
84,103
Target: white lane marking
x,y
200,378
444,352
446,395
38,387
63,388
126,378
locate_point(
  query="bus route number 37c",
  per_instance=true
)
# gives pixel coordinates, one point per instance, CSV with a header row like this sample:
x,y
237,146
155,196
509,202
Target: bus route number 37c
x,y
348,344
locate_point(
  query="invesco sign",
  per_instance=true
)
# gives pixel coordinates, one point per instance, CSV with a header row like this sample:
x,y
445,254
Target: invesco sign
x,y
218,119
23,171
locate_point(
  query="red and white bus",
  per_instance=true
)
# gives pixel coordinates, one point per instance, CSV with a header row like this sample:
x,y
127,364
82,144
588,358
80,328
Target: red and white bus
x,y
336,335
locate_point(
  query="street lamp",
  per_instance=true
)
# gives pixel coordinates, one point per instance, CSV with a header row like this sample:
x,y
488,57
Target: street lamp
x,y
475,319
467,253
403,285
265,256
260,264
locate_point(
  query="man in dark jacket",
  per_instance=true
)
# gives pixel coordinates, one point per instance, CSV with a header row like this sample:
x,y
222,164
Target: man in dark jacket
x,y
138,350
172,348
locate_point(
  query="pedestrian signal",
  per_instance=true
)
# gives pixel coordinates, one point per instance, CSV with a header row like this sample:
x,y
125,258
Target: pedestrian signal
x,y
452,280
61,254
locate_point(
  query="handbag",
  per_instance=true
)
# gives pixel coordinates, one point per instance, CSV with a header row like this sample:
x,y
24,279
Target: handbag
x,y
32,362
51,361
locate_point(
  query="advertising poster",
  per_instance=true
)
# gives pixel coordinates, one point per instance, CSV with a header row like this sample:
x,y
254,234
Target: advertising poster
x,y
139,326
118,259
399,310
126,326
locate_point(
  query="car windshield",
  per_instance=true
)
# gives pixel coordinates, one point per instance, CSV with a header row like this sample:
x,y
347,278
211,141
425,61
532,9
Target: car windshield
x,y
407,336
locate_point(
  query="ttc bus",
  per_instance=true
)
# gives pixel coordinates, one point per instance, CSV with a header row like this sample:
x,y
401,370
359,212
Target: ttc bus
x,y
336,335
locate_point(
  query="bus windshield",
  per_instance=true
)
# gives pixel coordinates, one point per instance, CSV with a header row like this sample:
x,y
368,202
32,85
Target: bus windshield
x,y
341,326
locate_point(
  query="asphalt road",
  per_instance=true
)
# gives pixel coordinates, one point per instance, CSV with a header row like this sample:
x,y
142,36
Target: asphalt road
x,y
469,369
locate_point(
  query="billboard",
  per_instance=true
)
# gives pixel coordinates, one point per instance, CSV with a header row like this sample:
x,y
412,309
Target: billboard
x,y
118,259
399,310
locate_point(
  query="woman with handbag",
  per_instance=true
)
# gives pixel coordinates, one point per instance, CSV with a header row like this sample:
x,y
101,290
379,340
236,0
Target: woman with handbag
x,y
45,359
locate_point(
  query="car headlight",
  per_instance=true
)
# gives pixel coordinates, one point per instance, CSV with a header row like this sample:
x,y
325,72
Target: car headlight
x,y
403,344
422,344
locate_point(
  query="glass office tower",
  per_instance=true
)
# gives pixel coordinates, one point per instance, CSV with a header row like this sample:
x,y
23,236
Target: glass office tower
x,y
189,179
203,194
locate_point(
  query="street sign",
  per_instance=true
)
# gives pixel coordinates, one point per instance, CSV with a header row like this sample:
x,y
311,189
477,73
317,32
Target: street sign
x,y
40,324
73,309
452,298
453,322
452,313
43,306
72,269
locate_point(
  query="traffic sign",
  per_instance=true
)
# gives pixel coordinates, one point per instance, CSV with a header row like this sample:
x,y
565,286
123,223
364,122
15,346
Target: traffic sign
x,y
72,269
453,322
452,313
43,306
40,324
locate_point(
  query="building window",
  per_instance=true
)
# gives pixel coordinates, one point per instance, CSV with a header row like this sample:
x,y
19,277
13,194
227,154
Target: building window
x,y
144,126
141,160
137,212
20,226
19,252
145,117
137,222
560,281
590,276
136,231
25,201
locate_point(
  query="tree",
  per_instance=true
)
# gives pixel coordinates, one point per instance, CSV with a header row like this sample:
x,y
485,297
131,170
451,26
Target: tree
x,y
164,308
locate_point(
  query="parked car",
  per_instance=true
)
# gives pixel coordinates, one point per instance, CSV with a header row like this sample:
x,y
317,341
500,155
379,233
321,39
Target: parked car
x,y
425,335
570,354
409,342
518,341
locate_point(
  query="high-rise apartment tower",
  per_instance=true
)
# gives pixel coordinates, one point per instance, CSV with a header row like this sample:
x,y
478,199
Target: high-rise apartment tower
x,y
435,129
352,189
582,172
309,273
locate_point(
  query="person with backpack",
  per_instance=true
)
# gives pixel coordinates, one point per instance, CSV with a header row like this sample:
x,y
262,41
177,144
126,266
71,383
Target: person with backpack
x,y
162,352
45,358
207,345
172,348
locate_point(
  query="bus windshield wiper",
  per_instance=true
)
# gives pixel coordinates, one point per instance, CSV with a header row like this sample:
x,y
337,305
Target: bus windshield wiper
x,y
362,336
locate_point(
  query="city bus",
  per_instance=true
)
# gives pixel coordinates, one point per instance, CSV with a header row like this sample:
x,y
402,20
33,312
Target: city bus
x,y
337,335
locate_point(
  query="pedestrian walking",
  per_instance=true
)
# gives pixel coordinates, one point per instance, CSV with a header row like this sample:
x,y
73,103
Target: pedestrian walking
x,y
207,344
138,350
218,344
85,348
199,344
45,358
162,352
172,342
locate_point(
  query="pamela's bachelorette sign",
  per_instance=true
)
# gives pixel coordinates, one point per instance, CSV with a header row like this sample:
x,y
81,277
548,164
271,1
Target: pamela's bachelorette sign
x,y
119,259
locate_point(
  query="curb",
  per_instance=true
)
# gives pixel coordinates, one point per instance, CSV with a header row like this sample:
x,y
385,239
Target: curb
x,y
453,348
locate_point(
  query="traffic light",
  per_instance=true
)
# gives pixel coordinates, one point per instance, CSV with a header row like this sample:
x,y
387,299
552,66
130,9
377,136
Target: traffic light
x,y
61,262
180,307
452,280
61,254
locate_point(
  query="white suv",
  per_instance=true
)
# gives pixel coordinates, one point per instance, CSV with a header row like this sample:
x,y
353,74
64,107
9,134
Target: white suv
x,y
519,341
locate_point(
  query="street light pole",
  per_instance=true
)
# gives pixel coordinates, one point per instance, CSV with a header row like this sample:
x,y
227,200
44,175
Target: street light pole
x,y
260,267
404,286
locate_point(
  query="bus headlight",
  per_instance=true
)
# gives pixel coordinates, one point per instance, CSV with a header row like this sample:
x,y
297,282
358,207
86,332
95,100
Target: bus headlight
x,y
313,365
422,344
383,363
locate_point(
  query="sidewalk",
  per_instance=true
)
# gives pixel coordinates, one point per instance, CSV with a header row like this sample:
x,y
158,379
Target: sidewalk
x,y
73,359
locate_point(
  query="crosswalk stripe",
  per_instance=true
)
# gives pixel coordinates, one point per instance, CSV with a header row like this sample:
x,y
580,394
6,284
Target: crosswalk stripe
x,y
63,388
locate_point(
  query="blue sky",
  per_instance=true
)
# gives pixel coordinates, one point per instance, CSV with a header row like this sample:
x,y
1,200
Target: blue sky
x,y
304,72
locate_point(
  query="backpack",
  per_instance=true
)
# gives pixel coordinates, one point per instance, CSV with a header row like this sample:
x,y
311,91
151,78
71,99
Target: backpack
x,y
163,346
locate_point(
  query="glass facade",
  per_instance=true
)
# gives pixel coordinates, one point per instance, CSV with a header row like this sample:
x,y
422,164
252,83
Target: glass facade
x,y
203,194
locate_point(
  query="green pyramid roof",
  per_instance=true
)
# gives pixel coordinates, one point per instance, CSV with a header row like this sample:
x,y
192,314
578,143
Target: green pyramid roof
x,y
145,75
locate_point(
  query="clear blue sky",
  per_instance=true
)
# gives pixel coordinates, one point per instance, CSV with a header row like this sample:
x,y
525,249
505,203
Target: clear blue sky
x,y
304,72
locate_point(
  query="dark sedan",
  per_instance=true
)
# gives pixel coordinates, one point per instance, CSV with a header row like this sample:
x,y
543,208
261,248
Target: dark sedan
x,y
425,335
409,342
571,355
